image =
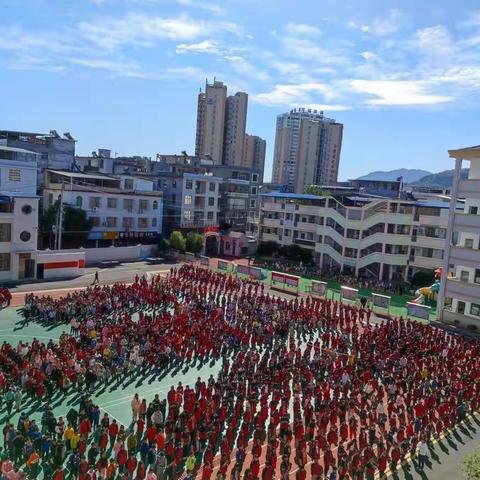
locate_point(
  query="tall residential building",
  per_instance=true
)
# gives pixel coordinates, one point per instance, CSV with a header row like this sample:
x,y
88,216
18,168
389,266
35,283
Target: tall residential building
x,y
254,153
459,297
235,124
221,123
211,121
307,149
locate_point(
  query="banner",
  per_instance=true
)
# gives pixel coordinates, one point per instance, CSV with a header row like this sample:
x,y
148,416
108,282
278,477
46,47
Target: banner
x,y
382,301
319,288
223,265
349,293
256,272
204,260
286,280
245,269
417,310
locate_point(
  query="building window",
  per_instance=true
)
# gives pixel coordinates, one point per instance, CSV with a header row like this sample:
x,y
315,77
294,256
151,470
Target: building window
x,y
461,307
111,222
142,222
79,201
111,203
154,222
187,215
476,278
473,210
14,175
143,205
95,221
94,202
209,215
189,184
464,274
5,232
254,190
211,201
255,177
475,309
128,204
188,200
155,205
469,243
211,187
253,203
129,184
4,262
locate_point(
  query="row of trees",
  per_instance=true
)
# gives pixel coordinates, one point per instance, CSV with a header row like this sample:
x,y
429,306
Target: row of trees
x,y
191,242
290,252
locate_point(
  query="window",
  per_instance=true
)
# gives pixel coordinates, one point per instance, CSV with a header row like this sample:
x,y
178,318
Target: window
x,y
469,243
473,210
464,274
212,187
476,278
461,307
111,222
209,215
111,203
255,177
4,262
129,184
154,222
187,215
253,203
5,232
79,201
475,309
143,205
211,201
188,185
14,175
128,204
95,221
94,202
155,205
127,222
188,200
142,222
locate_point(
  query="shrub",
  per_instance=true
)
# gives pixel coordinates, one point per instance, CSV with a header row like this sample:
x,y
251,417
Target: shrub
x,y
268,248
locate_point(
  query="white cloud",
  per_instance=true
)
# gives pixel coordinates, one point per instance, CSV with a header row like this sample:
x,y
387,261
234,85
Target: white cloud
x,y
311,51
398,92
301,29
193,74
244,67
145,30
111,66
211,7
379,26
436,41
293,95
207,46
368,55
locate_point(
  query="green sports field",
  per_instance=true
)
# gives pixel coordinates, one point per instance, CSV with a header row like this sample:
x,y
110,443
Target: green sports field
x,y
112,398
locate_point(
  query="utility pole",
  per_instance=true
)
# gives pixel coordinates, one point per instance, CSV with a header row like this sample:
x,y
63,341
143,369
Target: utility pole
x,y
60,223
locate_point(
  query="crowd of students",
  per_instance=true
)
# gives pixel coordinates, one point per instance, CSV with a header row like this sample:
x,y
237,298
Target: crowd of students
x,y
306,386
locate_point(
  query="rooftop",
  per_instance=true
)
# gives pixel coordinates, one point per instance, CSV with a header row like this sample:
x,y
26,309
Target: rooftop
x,y
70,174
467,153
17,150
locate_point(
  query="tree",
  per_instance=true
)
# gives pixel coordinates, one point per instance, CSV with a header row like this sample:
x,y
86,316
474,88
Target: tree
x,y
194,242
314,190
471,466
177,241
267,248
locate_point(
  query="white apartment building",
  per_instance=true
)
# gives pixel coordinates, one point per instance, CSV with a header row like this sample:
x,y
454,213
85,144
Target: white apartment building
x,y
307,149
122,208
459,298
200,200
361,236
18,213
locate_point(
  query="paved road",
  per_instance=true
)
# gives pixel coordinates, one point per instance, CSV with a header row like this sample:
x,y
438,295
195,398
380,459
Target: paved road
x,y
446,456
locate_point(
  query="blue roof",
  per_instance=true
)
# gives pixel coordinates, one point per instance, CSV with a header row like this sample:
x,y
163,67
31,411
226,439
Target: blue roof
x,y
293,196
434,204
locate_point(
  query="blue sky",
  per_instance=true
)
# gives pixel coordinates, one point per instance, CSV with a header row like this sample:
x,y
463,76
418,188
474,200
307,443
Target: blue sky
x,y
403,76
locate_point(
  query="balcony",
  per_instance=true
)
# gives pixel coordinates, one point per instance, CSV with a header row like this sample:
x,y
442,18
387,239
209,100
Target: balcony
x,y
466,222
466,257
464,291
469,188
